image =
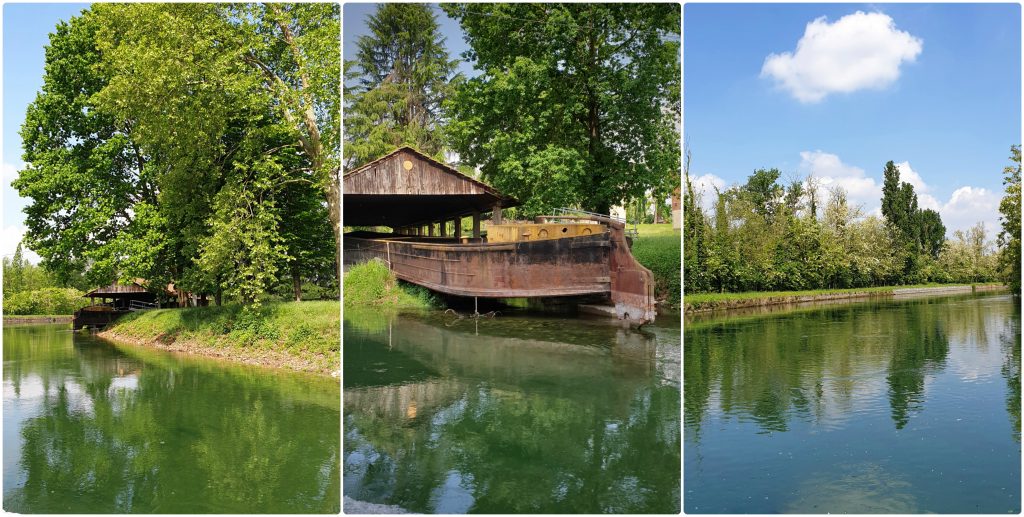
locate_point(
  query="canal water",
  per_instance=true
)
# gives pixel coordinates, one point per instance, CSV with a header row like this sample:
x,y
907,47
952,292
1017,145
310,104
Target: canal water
x,y
511,414
94,428
878,407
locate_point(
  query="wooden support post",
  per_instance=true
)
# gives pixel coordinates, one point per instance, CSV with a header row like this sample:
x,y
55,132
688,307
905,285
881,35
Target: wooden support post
x,y
431,230
457,224
476,224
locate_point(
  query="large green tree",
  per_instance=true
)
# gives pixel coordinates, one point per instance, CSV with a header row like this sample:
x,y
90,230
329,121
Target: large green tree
x,y
85,172
574,104
1009,237
181,142
187,73
397,84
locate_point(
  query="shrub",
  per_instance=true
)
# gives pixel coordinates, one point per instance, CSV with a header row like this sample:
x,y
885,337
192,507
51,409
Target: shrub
x,y
49,300
372,284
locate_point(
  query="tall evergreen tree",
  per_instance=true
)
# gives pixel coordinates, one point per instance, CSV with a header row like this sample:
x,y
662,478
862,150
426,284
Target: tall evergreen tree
x,y
402,74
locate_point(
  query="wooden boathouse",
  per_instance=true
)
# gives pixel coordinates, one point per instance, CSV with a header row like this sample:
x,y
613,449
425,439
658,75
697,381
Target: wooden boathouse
x,y
552,256
123,299
415,194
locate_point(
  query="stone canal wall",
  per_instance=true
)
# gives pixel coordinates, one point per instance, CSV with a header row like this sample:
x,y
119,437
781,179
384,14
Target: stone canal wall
x,y
38,319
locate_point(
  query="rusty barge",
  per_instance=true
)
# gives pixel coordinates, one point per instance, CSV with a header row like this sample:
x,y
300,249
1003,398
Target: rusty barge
x,y
423,202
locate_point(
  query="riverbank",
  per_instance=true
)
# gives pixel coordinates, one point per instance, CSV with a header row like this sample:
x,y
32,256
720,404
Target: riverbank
x,y
38,318
706,302
301,336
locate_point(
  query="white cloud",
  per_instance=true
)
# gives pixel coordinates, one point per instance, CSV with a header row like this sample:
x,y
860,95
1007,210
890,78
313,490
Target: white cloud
x,y
9,173
704,187
858,51
10,236
970,205
861,190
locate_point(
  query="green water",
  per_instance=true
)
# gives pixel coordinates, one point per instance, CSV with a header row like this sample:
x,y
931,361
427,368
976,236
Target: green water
x,y
880,407
509,415
93,428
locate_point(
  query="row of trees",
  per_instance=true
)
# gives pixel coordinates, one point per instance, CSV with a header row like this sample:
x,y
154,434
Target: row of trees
x,y
194,144
572,104
30,289
764,236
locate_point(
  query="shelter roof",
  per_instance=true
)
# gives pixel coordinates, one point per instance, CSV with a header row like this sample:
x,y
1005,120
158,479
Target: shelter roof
x,y
116,290
407,187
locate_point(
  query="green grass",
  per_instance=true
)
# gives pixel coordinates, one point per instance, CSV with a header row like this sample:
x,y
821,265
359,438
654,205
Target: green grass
x,y
709,300
372,284
659,248
308,329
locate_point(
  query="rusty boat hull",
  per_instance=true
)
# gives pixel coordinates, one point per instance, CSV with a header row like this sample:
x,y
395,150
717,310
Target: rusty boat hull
x,y
598,263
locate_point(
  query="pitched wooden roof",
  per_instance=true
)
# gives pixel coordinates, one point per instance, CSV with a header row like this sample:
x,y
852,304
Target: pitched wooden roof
x,y
406,187
116,290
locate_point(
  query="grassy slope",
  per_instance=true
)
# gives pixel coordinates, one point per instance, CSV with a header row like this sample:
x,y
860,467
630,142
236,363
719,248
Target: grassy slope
x,y
372,285
710,300
309,330
659,248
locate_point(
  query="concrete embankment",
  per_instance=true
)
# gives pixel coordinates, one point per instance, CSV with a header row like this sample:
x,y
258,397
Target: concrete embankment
x,y
38,319
850,295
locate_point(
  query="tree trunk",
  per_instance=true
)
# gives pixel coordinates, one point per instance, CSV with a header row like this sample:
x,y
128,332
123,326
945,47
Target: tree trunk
x,y
601,205
297,282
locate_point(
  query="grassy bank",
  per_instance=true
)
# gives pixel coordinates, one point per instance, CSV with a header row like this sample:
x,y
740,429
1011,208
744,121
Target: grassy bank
x,y
659,248
296,335
372,284
710,301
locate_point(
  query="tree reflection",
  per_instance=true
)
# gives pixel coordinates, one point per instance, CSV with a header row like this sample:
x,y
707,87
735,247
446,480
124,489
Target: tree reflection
x,y
1010,341
922,348
821,365
120,434
516,425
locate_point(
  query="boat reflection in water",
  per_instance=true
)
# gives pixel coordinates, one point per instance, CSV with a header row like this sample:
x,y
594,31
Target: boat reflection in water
x,y
449,415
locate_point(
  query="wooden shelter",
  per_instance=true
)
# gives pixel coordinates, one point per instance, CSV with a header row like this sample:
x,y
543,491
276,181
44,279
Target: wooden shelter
x,y
121,296
123,299
415,194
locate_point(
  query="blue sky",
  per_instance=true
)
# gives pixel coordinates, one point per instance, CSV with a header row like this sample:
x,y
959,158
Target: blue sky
x,y
26,29
932,87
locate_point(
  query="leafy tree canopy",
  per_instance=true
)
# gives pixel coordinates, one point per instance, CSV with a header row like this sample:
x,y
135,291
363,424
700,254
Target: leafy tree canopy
x,y
575,104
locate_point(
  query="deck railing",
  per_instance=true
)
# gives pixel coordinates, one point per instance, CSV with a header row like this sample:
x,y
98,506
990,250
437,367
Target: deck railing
x,y
631,228
139,305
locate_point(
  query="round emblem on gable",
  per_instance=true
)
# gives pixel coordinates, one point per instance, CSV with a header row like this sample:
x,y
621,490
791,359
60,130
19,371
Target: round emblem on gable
x,y
407,165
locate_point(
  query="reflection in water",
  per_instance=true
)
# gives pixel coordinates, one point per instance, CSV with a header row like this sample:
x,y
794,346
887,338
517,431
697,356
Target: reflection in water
x,y
883,394
858,488
511,415
97,429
